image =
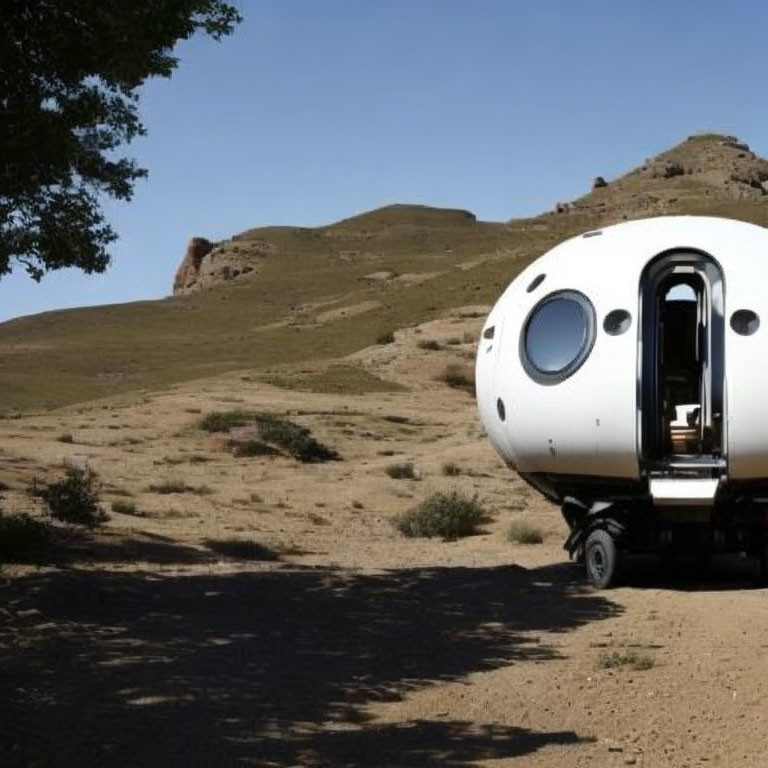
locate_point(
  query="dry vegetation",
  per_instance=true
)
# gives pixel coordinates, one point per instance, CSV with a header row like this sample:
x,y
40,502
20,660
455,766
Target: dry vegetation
x,y
249,603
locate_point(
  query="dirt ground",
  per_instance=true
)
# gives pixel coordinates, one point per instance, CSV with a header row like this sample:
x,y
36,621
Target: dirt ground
x,y
337,641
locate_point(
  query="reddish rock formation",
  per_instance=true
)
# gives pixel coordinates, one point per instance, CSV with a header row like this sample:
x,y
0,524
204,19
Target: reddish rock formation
x,y
189,269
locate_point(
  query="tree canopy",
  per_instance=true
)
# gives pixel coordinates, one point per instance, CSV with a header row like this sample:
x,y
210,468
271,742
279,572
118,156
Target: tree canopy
x,y
70,71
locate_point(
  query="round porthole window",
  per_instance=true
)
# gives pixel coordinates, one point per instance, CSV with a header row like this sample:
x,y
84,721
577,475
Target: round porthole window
x,y
557,336
745,322
616,322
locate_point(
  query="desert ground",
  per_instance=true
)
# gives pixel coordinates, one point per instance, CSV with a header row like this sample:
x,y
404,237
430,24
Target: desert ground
x,y
331,639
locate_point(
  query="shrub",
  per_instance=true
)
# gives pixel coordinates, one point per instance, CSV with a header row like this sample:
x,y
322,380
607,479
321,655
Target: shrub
x,y
404,471
294,439
22,537
123,507
451,469
617,659
224,421
524,533
447,515
74,499
673,169
431,344
240,549
385,338
458,377
178,486
66,437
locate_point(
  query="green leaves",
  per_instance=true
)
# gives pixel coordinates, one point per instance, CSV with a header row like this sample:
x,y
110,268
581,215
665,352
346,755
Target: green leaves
x,y
69,79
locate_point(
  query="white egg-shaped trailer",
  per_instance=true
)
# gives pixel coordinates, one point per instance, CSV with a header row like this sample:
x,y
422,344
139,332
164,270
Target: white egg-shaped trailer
x,y
623,374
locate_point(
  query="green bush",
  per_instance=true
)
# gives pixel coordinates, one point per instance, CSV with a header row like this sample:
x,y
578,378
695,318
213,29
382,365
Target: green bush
x,y
294,439
224,421
123,507
431,344
524,533
74,499
447,515
387,337
451,469
23,538
178,486
458,377
403,471
66,437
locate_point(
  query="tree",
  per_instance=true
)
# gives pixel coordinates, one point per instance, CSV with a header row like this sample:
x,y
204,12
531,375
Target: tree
x,y
70,71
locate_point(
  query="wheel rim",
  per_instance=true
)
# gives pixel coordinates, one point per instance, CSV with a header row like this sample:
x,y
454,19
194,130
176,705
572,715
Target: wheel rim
x,y
597,562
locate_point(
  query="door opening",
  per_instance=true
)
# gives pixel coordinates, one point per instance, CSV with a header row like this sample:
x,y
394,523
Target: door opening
x,y
681,363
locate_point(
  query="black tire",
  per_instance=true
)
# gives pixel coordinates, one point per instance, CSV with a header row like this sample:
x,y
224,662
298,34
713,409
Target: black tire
x,y
762,568
601,559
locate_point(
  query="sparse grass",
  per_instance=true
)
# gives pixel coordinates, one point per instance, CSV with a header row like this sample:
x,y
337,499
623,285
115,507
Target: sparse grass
x,y
340,379
123,507
241,549
522,532
23,538
178,486
429,344
403,471
249,448
394,419
448,516
458,377
74,498
387,337
65,437
451,469
617,659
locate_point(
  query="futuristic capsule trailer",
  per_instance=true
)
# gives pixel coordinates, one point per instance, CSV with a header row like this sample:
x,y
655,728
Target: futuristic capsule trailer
x,y
624,374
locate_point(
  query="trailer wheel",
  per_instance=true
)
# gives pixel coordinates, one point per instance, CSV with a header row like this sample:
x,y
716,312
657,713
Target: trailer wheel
x,y
762,572
601,558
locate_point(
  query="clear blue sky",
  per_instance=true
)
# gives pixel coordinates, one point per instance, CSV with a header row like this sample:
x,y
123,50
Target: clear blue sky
x,y
313,111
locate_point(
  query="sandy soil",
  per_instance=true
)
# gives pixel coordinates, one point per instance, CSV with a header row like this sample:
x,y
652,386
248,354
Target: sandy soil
x,y
143,645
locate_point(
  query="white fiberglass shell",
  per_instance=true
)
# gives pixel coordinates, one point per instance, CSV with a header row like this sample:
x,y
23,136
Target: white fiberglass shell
x,y
587,423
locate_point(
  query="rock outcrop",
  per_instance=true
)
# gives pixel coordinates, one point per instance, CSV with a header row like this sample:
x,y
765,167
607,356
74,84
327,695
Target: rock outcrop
x,y
189,270
206,264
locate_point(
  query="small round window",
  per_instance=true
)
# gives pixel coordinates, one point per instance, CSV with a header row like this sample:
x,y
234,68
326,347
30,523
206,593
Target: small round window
x,y
745,322
557,336
616,322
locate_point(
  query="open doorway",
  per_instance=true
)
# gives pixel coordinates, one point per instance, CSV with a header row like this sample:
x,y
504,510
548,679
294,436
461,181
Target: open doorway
x,y
681,366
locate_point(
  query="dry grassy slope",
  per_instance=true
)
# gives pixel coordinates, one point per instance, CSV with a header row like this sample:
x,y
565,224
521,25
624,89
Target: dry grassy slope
x,y
309,297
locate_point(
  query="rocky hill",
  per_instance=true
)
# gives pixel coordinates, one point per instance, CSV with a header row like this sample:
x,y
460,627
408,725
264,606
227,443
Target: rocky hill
x,y
703,171
276,297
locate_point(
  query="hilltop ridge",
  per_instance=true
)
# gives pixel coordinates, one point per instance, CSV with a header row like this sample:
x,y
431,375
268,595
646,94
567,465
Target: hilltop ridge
x,y
695,175
273,297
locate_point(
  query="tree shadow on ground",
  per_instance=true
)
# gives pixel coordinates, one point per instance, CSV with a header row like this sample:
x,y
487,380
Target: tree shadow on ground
x,y
270,668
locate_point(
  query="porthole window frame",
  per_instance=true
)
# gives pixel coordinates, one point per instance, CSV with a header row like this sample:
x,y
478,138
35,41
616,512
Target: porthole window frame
x,y
556,377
